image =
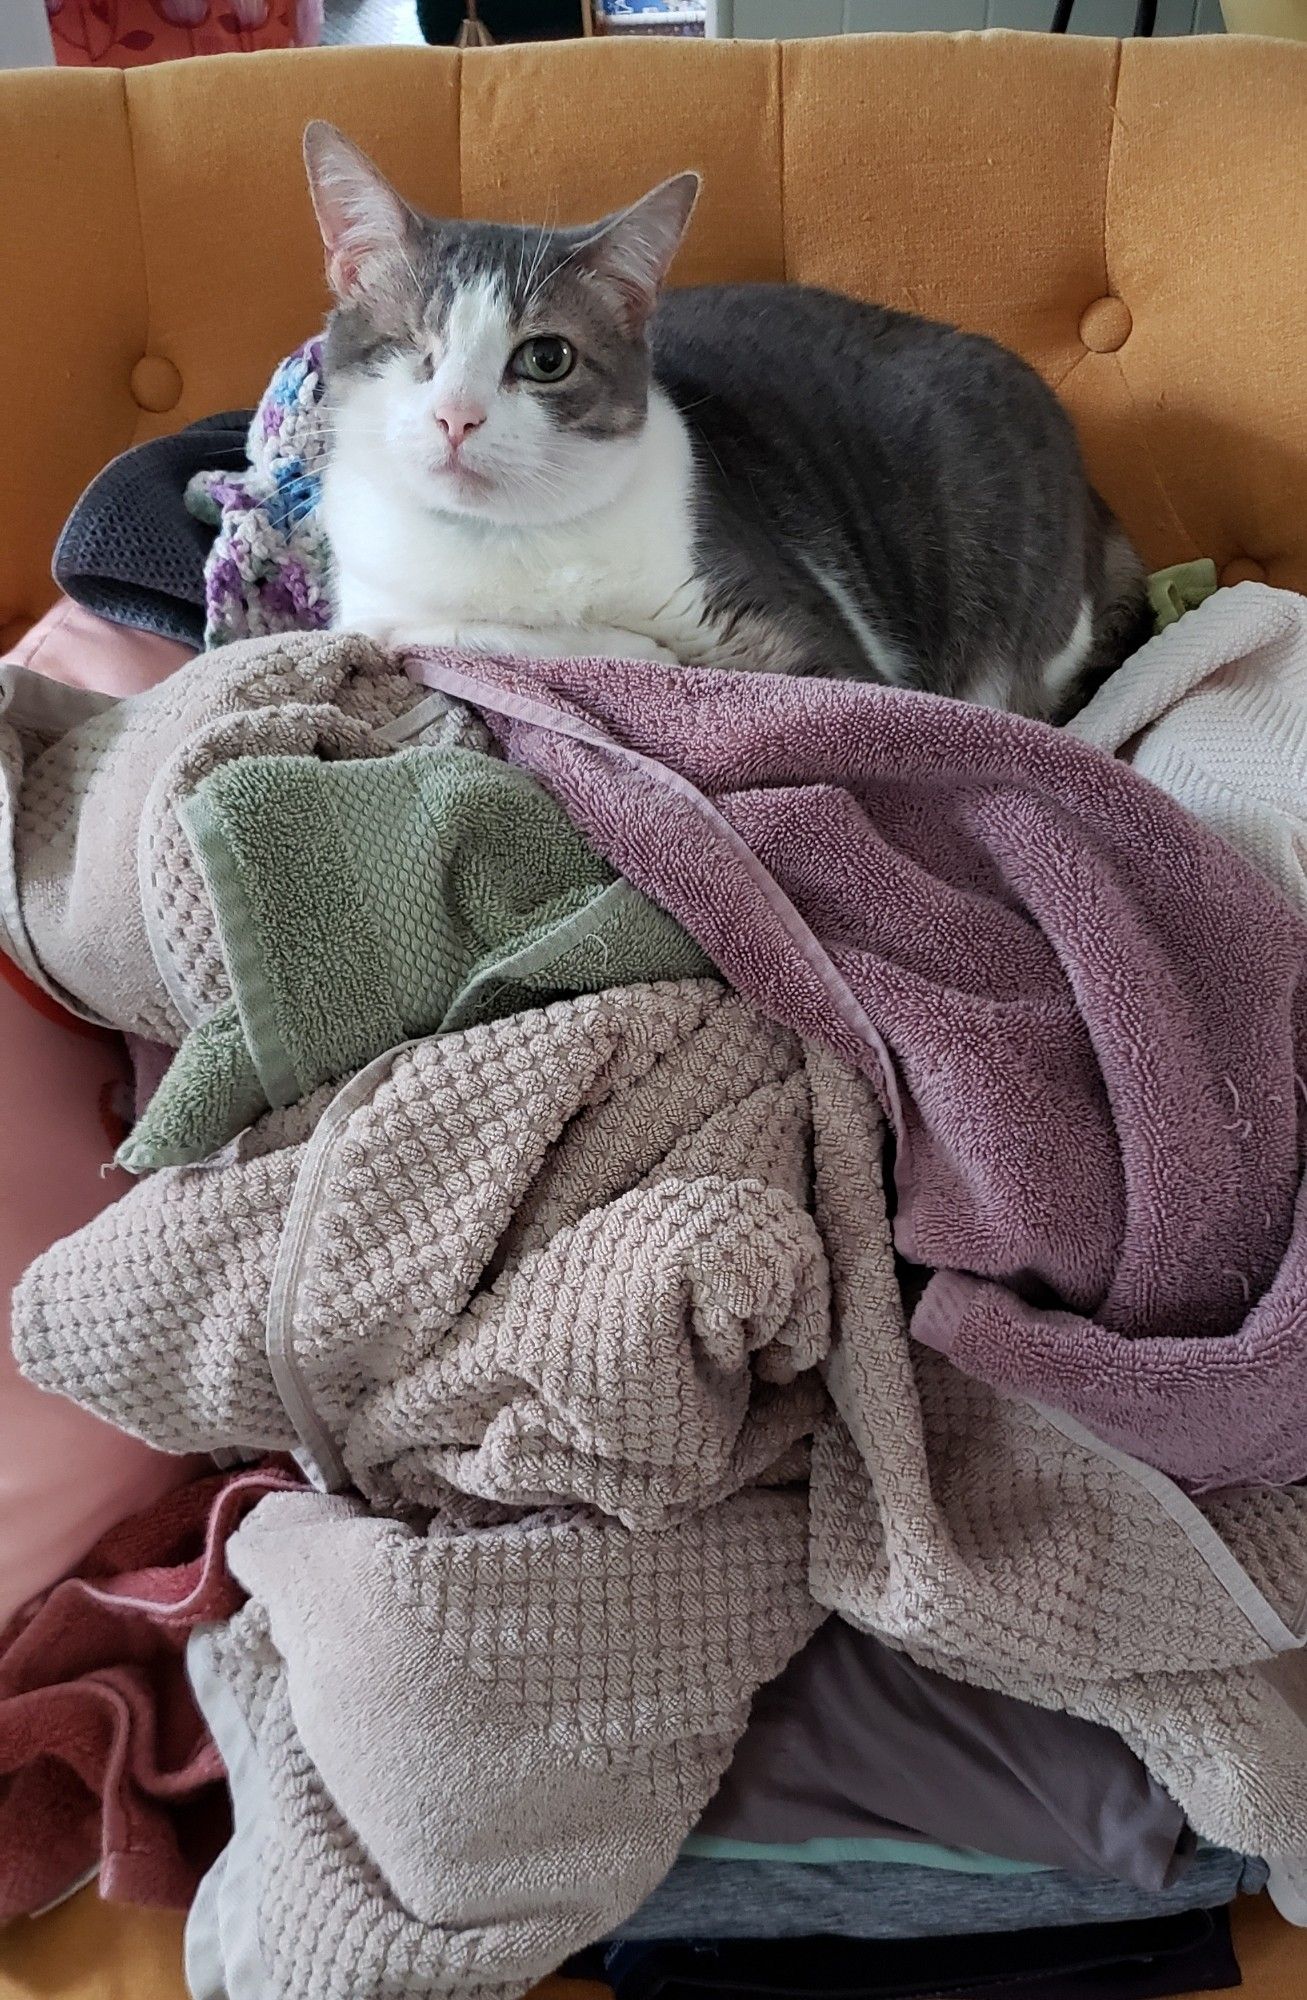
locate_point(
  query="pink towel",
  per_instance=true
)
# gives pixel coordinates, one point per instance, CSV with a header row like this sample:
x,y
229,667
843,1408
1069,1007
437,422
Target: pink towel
x,y
1086,1016
104,1758
65,1477
73,645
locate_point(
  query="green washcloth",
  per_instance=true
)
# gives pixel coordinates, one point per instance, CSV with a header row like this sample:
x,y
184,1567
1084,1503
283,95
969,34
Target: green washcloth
x,y
363,903
1183,587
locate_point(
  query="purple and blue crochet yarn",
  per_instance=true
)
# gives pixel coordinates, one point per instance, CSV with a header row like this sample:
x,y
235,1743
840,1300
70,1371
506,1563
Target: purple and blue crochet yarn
x,y
269,566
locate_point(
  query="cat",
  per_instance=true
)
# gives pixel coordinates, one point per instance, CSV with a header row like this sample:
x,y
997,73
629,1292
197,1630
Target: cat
x,y
537,450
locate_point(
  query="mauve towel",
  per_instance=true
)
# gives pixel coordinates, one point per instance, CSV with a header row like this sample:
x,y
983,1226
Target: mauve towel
x,y
105,1760
1086,1016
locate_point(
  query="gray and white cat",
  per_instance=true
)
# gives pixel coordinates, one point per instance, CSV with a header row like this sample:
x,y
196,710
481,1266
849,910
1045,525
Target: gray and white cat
x,y
536,451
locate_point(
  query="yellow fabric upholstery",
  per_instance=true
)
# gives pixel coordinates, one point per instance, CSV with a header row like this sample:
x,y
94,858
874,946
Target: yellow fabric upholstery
x,y
1130,220
159,255
88,1950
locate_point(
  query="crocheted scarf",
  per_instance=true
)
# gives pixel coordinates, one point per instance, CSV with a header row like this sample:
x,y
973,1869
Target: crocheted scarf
x,y
269,567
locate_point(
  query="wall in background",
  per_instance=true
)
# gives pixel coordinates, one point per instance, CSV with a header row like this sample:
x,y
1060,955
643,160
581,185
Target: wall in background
x,y
752,19
24,34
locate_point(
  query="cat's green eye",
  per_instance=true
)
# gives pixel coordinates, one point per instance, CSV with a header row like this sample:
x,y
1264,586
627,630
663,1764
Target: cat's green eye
x,y
546,357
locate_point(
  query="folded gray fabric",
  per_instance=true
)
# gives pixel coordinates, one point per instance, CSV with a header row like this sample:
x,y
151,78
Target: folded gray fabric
x,y
491,1240
494,1757
762,1899
35,713
854,1741
593,1259
549,1290
238,1675
595,1309
287,859
365,901
129,550
113,910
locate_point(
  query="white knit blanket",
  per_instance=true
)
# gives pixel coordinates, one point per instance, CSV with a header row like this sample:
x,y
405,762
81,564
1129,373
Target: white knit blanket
x,y
1214,710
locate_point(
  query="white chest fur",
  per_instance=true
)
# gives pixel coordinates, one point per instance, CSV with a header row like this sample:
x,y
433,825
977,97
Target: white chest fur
x,y
620,580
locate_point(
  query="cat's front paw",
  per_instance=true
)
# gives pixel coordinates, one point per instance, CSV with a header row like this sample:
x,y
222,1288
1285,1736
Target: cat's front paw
x,y
512,641
432,638
381,631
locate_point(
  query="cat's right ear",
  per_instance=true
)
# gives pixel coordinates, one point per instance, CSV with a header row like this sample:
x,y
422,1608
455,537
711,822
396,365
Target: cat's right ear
x,y
632,252
367,229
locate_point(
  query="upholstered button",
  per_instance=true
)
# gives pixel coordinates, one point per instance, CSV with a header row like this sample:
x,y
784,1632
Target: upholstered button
x,y
1105,325
1243,569
156,385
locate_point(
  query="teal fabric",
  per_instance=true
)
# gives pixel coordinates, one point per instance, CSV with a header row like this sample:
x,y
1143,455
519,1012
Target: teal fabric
x,y
882,1852
364,902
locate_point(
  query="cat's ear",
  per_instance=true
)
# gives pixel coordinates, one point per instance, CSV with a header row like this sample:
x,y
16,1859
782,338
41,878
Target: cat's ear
x,y
367,229
632,251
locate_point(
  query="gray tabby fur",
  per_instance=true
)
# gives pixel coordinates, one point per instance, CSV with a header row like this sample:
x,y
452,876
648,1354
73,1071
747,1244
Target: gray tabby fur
x,y
931,471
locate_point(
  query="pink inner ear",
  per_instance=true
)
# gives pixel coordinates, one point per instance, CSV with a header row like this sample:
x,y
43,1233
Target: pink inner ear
x,y
342,272
360,216
636,305
634,293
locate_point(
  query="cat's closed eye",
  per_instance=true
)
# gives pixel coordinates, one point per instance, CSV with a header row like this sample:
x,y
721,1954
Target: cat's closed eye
x,y
546,357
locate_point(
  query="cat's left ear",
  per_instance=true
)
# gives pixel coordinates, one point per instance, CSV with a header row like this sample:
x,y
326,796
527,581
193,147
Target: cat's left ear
x,y
633,250
367,228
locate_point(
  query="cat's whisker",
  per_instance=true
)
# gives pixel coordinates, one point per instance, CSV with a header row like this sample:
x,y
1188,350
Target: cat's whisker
x,y
543,240
359,430
550,276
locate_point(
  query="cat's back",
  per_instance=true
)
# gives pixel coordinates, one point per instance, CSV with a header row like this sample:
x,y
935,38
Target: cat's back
x,y
833,366
736,324
890,479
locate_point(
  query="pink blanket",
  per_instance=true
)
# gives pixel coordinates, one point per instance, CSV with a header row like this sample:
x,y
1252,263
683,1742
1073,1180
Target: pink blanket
x,y
65,1477
105,1761
1087,1017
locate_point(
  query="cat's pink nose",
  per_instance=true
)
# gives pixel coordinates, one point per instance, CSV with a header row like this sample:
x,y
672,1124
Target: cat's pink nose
x,y
456,420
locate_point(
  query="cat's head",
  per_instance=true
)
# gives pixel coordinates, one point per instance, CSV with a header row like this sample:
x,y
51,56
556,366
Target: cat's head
x,y
495,372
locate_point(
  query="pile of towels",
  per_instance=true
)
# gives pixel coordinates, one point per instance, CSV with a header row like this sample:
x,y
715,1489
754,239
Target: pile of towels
x,y
769,1217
